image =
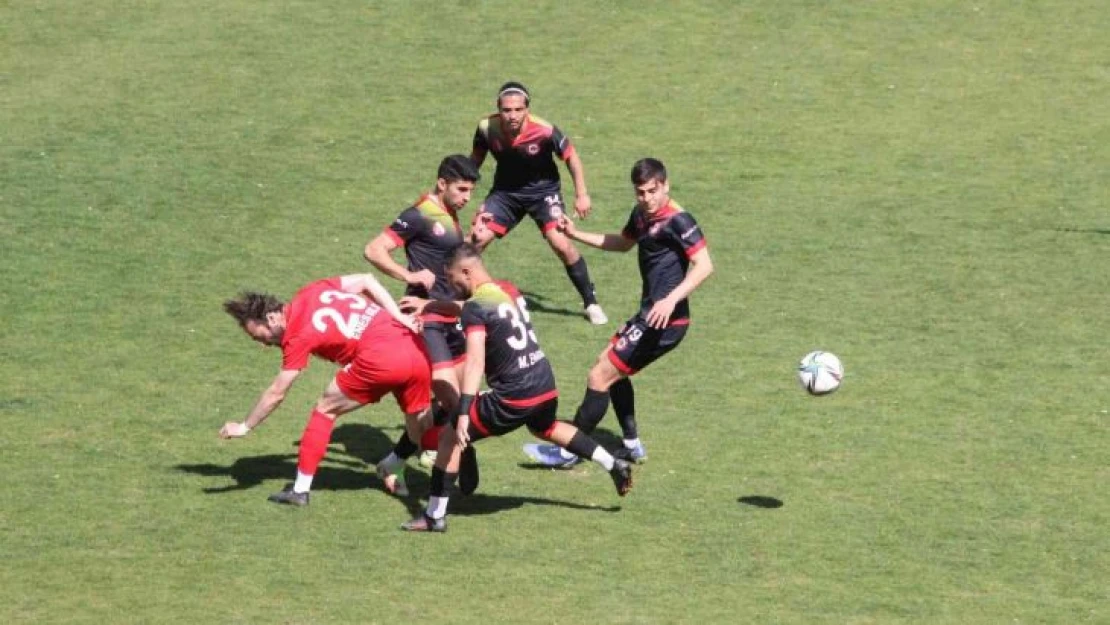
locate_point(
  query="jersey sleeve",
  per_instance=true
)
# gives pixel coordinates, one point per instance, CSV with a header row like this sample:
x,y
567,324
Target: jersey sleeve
x,y
472,318
407,225
295,355
481,138
685,229
631,230
561,144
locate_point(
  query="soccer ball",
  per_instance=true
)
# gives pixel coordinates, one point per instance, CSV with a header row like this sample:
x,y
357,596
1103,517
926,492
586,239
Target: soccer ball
x,y
820,372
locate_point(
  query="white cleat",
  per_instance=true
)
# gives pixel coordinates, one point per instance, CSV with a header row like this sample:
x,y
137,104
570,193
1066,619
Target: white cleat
x,y
596,315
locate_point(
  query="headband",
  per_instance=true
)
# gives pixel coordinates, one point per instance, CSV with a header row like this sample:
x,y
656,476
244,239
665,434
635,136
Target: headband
x,y
513,90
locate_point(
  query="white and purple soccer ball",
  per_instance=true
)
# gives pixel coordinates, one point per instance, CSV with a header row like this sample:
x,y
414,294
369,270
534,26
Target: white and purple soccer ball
x,y
820,372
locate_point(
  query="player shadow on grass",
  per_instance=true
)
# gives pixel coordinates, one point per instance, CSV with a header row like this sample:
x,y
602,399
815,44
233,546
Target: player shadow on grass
x,y
535,303
482,503
362,445
761,501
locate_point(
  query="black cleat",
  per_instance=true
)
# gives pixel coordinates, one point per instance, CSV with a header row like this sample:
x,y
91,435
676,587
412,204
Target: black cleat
x,y
468,471
287,496
622,476
425,523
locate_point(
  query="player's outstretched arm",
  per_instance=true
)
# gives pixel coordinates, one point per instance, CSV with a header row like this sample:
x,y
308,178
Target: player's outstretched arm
x,y
607,242
367,283
270,399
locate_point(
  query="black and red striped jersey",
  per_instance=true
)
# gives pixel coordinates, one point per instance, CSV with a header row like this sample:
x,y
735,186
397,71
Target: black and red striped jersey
x,y
428,231
525,162
516,367
666,240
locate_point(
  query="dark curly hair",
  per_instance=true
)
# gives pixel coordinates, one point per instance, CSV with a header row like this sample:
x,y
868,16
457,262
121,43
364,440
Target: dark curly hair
x,y
252,306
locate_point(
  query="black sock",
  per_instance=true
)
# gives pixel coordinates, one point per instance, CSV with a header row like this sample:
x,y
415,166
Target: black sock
x,y
580,276
442,482
624,404
404,448
592,411
582,446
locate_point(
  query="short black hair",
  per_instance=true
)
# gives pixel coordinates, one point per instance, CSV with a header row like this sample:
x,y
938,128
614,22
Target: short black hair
x,y
514,88
458,167
461,252
648,169
252,306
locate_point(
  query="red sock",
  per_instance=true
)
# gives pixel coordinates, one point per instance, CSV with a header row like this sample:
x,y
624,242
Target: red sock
x,y
314,442
431,438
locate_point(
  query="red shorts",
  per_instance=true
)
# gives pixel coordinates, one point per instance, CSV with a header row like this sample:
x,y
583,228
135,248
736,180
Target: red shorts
x,y
399,366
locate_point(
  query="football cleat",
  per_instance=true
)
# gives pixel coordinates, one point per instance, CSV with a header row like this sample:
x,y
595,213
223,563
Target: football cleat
x,y
468,471
287,496
425,523
551,455
394,479
596,315
637,454
622,476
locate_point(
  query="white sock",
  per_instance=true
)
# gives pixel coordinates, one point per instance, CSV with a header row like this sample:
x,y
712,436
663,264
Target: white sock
x,y
437,507
631,443
603,458
303,483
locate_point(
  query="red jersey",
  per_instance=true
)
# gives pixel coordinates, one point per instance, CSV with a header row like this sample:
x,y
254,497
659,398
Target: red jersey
x,y
325,321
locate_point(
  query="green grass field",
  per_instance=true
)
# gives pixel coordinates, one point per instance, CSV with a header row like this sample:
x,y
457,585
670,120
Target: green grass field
x,y
921,188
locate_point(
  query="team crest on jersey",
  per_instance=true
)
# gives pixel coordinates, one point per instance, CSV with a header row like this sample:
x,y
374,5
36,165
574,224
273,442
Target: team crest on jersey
x,y
654,230
438,229
533,148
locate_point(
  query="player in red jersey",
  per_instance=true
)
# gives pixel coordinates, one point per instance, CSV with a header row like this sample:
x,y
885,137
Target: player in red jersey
x,y
674,261
526,182
354,322
502,347
427,231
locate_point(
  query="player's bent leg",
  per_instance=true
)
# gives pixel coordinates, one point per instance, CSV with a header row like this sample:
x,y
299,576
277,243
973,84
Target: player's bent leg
x,y
314,443
574,440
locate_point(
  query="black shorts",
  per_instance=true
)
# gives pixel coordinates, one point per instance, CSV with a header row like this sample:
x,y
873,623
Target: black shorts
x,y
637,345
505,209
446,343
490,415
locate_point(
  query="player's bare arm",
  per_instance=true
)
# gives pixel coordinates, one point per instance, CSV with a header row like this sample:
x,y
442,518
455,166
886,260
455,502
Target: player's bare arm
x,y
270,399
368,284
471,381
582,203
379,252
701,267
414,305
479,157
607,242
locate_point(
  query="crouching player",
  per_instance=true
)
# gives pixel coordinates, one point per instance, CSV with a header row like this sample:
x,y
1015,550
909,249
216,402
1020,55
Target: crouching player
x,y
377,345
501,345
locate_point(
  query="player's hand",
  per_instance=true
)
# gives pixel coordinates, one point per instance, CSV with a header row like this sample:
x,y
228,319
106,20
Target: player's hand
x,y
480,232
462,431
566,226
424,278
660,314
582,205
234,429
412,304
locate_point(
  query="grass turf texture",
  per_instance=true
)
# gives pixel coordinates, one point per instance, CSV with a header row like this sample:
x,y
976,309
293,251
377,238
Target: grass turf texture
x,y
918,187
